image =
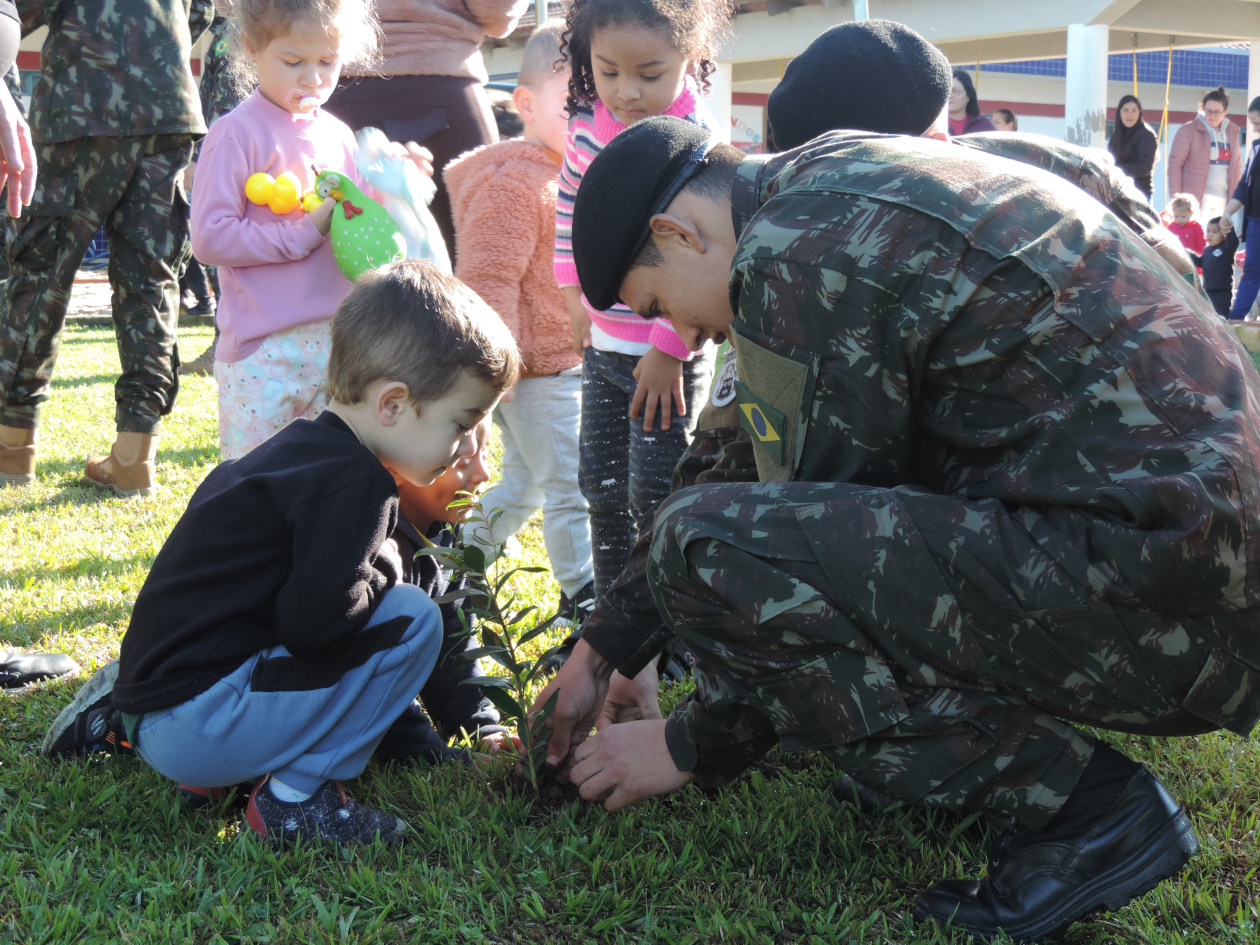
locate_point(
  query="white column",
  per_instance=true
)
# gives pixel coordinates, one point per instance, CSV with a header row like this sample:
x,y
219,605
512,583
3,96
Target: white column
x,y
540,12
1253,87
861,10
1085,97
719,100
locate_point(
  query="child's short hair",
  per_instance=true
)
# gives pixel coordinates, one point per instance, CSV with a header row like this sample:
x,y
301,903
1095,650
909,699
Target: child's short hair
x,y
413,323
1215,221
1185,201
542,59
352,21
1007,116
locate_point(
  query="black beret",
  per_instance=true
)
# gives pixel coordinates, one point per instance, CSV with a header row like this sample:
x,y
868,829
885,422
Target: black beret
x,y
865,75
634,177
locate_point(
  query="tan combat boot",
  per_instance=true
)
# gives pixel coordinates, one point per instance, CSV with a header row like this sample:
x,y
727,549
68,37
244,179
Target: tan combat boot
x,y
128,469
17,456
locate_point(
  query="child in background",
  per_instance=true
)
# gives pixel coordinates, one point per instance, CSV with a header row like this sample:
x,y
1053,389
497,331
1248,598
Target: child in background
x,y
1217,263
279,283
1183,208
503,199
630,59
1004,120
274,640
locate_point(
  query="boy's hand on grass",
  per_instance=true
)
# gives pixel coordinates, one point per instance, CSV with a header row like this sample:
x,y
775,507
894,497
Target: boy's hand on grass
x,y
660,388
626,763
630,700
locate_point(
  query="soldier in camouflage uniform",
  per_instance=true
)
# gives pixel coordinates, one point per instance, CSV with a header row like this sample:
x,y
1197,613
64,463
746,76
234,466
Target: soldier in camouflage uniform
x,y
1008,471
114,116
220,93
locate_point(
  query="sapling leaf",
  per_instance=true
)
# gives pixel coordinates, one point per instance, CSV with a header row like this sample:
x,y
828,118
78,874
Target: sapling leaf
x,y
451,596
536,631
496,682
505,703
474,558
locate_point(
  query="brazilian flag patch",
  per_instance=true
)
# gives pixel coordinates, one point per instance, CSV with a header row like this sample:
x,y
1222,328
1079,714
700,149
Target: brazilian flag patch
x,y
763,422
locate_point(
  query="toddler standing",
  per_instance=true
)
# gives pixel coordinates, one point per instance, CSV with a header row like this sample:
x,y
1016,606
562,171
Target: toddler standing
x,y
1216,262
279,283
503,199
1183,208
630,59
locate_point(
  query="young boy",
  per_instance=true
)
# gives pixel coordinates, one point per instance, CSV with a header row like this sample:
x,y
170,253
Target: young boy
x,y
1183,207
1217,263
274,641
503,199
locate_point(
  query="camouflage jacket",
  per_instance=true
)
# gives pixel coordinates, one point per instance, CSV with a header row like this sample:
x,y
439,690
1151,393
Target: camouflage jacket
x,y
952,322
113,69
975,328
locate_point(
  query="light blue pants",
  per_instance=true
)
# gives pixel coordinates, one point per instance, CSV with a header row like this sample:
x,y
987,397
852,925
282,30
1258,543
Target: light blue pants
x,y
232,733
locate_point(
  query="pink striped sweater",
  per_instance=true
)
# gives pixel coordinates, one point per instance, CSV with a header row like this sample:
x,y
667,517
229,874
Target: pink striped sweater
x,y
589,130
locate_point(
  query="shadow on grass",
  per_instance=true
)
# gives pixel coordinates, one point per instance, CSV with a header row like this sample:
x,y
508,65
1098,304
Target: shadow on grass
x,y
83,380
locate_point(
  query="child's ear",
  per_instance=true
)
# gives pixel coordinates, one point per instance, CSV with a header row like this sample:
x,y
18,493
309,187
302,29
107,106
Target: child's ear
x,y
392,398
523,99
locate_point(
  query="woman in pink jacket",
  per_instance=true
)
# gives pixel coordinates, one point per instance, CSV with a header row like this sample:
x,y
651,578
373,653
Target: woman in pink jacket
x,y
429,85
1206,159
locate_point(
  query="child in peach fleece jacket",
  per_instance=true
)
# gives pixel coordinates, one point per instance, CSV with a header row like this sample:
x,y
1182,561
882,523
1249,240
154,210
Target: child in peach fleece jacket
x,y
503,199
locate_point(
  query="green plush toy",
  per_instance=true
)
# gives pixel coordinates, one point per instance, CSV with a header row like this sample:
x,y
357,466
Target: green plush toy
x,y
363,235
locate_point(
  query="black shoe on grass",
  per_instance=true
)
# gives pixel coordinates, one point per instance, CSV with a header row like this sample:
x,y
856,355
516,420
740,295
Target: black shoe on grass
x,y
327,815
90,723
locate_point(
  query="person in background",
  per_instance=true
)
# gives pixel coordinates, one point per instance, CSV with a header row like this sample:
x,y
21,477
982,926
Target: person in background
x,y
1133,143
429,84
1216,262
279,280
1205,160
629,60
1246,202
114,116
1004,120
220,93
1183,208
964,107
504,199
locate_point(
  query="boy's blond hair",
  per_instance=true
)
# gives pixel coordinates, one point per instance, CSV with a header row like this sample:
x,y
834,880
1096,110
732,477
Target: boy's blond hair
x,y
413,323
541,60
1185,201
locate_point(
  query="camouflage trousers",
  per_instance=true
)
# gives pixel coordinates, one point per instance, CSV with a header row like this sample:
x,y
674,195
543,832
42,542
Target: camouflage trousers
x,y
133,186
923,642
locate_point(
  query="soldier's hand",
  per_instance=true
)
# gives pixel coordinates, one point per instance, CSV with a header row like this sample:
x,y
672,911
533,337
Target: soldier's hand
x,y
660,388
581,685
17,154
630,700
626,763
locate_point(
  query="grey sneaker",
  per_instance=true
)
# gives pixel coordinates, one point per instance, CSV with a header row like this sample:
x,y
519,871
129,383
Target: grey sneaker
x,y
90,723
326,815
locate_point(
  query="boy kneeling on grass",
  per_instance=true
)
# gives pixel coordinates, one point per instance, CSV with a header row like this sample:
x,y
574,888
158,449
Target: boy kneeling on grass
x,y
274,640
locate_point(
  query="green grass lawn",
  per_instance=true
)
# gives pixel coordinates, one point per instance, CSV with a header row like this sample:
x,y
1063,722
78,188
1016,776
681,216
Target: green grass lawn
x,y
99,849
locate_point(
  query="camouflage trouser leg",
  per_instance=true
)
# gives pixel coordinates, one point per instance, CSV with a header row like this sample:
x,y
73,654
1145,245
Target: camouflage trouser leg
x,y
132,185
823,619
